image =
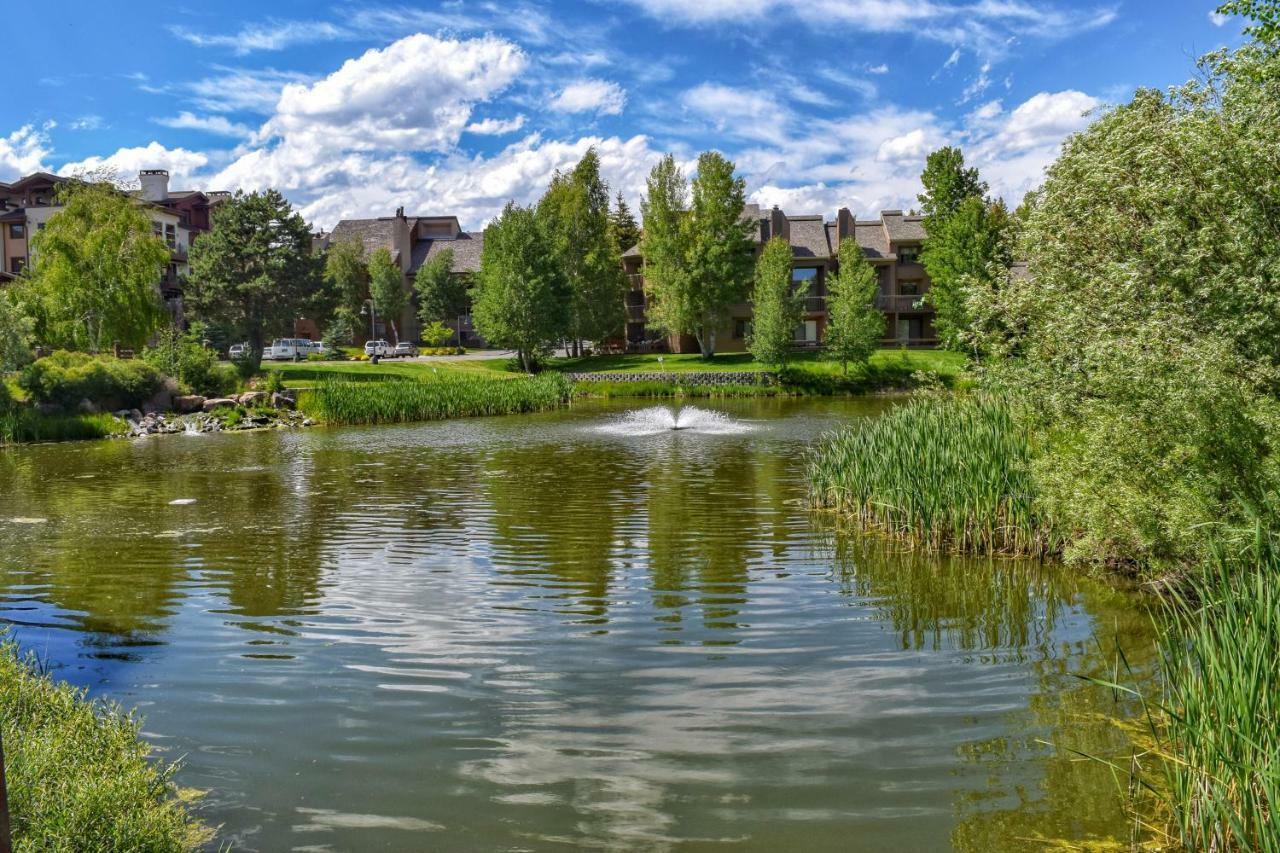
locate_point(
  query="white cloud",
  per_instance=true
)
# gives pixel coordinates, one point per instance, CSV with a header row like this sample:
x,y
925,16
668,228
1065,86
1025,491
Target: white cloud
x,y
1013,154
87,122
739,112
273,35
910,147
232,89
496,126
415,94
218,125
1046,117
1217,19
600,96
24,151
181,163
882,68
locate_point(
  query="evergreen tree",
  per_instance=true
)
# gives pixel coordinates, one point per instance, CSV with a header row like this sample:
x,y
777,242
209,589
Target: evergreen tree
x,y
775,309
97,263
255,268
626,232
386,288
442,295
522,297
575,214
854,324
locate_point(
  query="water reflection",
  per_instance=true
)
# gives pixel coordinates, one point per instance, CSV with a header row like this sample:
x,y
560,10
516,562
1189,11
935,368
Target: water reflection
x,y
532,633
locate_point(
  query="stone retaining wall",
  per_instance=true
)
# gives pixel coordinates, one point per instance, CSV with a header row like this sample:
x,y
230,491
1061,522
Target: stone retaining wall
x,y
684,377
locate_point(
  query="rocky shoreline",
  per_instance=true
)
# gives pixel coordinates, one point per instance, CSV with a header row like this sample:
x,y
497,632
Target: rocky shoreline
x,y
195,415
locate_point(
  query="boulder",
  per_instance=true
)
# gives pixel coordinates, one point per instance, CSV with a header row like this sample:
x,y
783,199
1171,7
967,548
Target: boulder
x,y
87,407
253,398
218,403
188,403
163,399
282,400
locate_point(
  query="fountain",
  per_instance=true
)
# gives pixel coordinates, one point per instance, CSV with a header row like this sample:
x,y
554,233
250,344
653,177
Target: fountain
x,y
660,419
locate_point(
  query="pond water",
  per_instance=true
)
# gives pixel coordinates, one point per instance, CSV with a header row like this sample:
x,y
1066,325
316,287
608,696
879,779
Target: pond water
x,y
571,630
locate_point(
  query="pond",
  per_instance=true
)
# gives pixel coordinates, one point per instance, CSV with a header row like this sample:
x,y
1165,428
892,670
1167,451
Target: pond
x,y
576,629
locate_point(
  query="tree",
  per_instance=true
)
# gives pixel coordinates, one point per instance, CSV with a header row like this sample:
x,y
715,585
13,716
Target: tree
x,y
664,245
15,334
721,254
386,288
947,183
854,324
575,213
347,274
442,295
522,297
626,232
775,310
255,268
97,264
966,250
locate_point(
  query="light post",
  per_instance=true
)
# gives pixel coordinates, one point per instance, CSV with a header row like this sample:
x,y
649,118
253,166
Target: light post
x,y
373,317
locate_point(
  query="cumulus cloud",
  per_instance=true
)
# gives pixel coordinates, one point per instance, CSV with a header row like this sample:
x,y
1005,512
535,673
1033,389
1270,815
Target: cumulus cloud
x,y
24,151
181,163
496,126
600,96
1217,19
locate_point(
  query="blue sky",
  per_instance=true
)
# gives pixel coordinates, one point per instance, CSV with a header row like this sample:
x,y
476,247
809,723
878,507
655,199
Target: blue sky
x,y
356,108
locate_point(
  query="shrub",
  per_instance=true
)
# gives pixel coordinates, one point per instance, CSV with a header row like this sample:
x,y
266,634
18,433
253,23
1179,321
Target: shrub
x,y
183,357
435,334
78,774
6,396
66,378
946,474
274,382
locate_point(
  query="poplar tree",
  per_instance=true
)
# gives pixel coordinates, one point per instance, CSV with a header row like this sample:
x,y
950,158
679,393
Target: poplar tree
x,y
855,325
721,253
664,245
386,288
775,309
442,296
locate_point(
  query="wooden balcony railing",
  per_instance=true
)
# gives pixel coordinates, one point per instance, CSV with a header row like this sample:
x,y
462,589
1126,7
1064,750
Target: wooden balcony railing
x,y
635,313
900,302
815,303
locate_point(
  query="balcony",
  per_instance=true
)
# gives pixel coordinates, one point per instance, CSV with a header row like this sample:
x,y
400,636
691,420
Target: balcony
x,y
635,281
902,302
814,304
635,313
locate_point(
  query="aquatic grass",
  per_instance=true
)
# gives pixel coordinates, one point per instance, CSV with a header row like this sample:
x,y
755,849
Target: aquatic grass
x,y
78,774
21,425
947,474
671,388
445,396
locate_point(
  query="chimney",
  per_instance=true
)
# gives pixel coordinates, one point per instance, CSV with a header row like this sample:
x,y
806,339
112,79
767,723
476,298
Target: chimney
x,y
155,184
400,212
844,223
778,225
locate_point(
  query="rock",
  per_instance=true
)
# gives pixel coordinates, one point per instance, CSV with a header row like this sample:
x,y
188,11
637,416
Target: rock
x,y
87,407
135,415
188,403
218,403
163,399
282,400
253,398
123,414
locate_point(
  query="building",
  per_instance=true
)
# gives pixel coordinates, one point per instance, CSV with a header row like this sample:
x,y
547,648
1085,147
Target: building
x,y
892,243
178,218
412,241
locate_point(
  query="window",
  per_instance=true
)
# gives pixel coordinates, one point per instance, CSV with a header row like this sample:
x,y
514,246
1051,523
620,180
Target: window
x,y
909,287
171,235
741,328
807,332
909,255
17,231
16,265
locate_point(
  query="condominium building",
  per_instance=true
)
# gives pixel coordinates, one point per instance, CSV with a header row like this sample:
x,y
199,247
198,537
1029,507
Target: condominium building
x,y
177,217
412,241
892,243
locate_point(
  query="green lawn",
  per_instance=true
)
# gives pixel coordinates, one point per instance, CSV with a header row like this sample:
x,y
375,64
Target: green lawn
x,y
942,362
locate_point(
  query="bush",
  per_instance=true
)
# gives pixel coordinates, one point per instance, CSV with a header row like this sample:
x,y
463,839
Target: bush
x,y
78,774
183,357
6,396
435,334
274,382
66,378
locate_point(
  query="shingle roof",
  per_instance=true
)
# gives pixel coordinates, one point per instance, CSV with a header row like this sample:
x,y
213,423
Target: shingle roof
x,y
901,227
808,237
871,237
372,234
633,252
466,248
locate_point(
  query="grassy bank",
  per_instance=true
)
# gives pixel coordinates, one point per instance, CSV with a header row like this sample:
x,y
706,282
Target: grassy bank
x,y
446,395
78,774
940,473
23,425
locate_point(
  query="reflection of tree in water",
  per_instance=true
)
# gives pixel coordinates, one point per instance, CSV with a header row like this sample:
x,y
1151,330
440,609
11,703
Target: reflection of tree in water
x,y
1025,794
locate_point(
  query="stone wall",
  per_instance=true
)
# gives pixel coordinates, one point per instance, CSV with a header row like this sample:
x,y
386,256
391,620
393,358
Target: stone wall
x,y
684,377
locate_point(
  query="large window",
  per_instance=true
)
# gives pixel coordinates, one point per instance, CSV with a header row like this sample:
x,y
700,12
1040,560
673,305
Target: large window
x,y
909,255
17,230
807,332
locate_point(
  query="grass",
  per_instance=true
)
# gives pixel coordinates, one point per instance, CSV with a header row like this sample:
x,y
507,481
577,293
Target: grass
x,y
78,775
944,474
22,425
310,374
1211,778
942,362
447,395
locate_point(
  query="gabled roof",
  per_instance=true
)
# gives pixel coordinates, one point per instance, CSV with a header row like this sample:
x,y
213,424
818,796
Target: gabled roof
x,y
808,237
902,228
372,234
466,248
872,238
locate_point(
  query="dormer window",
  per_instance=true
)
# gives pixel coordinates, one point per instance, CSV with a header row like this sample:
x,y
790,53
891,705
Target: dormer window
x,y
909,255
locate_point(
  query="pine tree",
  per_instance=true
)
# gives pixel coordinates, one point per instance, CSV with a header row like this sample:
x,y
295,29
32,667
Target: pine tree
x,y
626,232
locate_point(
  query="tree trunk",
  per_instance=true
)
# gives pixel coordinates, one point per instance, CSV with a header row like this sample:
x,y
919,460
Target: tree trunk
x,y
707,343
255,348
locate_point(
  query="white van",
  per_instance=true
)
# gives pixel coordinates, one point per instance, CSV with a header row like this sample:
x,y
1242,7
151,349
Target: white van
x,y
288,349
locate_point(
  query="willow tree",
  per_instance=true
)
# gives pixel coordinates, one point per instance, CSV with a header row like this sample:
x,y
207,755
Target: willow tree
x,y
575,214
775,309
522,297
96,271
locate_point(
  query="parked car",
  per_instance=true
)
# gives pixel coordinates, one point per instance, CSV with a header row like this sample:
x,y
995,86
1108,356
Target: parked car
x,y
404,349
319,348
239,352
288,349
382,349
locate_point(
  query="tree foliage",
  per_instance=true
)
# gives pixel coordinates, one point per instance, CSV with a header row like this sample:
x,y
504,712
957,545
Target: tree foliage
x,y
522,297
255,269
626,231
575,213
664,245
855,325
947,183
96,270
721,254
347,274
15,333
386,288
966,250
442,295
775,309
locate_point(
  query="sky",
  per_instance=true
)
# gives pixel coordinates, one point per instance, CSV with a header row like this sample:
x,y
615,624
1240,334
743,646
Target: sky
x,y
353,109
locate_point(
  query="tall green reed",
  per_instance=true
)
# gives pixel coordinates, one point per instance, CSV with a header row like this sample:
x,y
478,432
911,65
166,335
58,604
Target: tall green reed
x,y
446,396
947,474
